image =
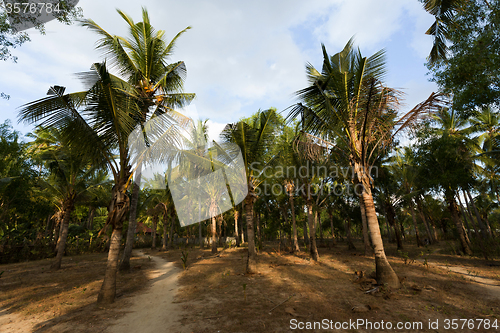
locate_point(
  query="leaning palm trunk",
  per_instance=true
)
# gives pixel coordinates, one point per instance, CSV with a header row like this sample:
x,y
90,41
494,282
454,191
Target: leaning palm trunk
x,y
312,234
61,243
366,241
426,224
464,240
117,213
383,270
464,215
252,254
415,225
485,232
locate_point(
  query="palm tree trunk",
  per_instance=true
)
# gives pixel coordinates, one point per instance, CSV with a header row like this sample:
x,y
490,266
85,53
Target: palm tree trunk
x,y
243,218
320,227
117,213
236,233
350,244
452,206
171,234
48,228
165,223
388,228
383,270
259,235
90,220
252,254
464,214
426,224
214,235
108,289
132,222
330,215
415,225
61,243
306,237
58,228
366,241
431,224
311,217
155,223
484,230
390,216
295,247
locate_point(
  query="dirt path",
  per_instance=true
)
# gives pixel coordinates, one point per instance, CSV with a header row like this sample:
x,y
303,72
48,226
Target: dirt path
x,y
491,286
154,310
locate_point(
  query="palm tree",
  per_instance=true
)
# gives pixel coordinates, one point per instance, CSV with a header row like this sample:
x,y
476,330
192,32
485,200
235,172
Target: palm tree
x,y
486,122
349,102
69,179
254,138
155,85
96,122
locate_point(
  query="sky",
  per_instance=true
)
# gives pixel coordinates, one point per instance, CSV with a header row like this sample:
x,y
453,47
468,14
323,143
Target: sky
x,y
241,56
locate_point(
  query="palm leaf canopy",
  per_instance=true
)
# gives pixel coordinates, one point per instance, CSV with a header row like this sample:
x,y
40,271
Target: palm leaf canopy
x,y
349,102
96,121
141,59
254,138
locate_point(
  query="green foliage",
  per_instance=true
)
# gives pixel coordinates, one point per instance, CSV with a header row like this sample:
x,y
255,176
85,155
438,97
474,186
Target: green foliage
x,y
75,230
184,259
444,154
472,71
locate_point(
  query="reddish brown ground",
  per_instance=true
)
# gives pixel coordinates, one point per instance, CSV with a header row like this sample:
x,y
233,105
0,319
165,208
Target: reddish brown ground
x,y
218,297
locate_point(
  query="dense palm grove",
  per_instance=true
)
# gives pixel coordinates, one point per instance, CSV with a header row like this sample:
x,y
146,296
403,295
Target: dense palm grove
x,y
342,163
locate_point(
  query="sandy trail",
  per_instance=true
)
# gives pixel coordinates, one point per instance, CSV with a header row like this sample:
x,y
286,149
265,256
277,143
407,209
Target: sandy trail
x,y
491,286
154,310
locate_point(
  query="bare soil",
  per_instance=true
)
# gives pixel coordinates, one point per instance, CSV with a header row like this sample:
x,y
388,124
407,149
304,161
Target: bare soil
x,y
215,295
35,299
220,297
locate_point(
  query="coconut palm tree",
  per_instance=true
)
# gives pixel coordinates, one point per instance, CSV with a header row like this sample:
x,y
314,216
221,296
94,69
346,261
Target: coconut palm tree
x,y
97,123
156,86
348,101
254,138
69,180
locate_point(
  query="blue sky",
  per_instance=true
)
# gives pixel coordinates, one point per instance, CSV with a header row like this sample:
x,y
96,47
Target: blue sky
x,y
240,56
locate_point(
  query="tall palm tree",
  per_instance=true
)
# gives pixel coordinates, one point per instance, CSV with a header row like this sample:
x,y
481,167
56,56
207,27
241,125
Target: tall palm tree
x,y
254,137
96,122
156,86
349,102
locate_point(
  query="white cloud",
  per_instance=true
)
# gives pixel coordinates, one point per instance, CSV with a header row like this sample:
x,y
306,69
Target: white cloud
x,y
240,56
